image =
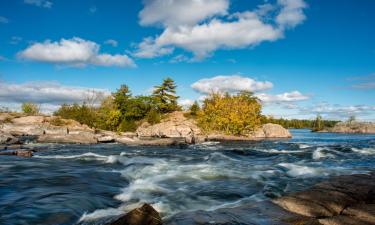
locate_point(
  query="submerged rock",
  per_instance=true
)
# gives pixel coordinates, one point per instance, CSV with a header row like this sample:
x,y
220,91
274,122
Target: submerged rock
x,y
145,215
342,200
7,139
21,153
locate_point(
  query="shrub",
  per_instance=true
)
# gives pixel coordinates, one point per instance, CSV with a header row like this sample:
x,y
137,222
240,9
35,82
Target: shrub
x,y
57,121
127,126
231,114
153,117
30,108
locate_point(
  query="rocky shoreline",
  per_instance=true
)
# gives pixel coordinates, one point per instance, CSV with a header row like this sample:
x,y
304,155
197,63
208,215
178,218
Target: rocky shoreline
x,y
352,128
176,129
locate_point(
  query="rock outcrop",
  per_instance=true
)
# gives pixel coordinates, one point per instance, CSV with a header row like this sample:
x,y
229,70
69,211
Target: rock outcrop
x,y
352,127
145,215
343,200
176,125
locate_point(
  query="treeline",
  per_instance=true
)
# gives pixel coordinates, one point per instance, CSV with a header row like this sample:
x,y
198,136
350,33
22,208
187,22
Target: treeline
x,y
122,111
316,125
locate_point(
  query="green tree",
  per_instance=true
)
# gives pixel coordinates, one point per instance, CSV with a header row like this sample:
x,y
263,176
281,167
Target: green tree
x,y
318,123
351,119
165,96
194,109
30,108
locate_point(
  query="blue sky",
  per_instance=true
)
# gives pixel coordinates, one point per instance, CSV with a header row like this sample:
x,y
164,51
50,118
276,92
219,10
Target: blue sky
x,y
300,57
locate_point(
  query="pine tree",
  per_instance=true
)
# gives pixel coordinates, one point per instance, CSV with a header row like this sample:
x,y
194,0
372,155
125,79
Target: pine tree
x,y
194,109
318,123
165,96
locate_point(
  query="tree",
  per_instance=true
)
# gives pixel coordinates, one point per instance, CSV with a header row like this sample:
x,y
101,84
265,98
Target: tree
x,y
121,96
231,114
318,123
194,109
165,96
30,108
351,119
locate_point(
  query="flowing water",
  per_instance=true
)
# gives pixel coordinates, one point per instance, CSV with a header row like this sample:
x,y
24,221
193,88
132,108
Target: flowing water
x,y
86,184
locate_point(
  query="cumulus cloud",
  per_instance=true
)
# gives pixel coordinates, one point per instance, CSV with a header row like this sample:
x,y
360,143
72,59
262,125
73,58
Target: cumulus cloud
x,y
206,30
282,98
234,83
112,42
339,111
185,103
3,20
49,94
39,3
73,52
180,12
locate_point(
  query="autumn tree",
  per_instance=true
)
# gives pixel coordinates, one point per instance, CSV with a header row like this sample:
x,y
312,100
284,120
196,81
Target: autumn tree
x,y
238,114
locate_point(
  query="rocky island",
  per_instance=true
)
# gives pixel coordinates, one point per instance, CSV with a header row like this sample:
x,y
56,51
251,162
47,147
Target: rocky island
x,y
352,127
175,129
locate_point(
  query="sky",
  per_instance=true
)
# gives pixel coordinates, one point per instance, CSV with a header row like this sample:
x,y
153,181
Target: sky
x,y
300,57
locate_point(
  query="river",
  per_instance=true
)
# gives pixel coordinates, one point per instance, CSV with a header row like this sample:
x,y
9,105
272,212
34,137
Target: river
x,y
86,184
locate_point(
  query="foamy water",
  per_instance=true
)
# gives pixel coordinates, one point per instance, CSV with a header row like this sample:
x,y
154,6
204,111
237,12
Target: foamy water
x,y
91,184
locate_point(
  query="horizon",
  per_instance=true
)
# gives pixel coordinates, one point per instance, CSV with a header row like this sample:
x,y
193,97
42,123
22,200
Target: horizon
x,y
301,58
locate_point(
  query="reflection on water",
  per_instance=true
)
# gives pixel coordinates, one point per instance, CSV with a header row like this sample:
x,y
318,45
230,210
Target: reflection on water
x,y
81,183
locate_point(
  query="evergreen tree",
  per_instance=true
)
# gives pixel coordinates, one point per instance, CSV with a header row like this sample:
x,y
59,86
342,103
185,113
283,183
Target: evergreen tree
x,y
165,96
318,123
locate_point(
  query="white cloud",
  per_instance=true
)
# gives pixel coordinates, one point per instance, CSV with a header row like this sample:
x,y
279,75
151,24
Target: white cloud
x,y
179,58
3,20
39,3
73,52
180,12
234,83
291,13
284,97
339,111
205,32
49,94
112,42
186,103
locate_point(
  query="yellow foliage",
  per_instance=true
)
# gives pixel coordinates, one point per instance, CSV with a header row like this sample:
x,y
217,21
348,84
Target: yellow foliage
x,y
231,114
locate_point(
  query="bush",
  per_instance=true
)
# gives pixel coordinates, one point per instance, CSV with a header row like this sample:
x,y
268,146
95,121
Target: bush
x,y
153,117
127,126
57,121
30,108
231,114
80,113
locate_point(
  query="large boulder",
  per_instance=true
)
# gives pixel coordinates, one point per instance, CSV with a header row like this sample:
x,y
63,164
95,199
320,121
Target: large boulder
x,y
176,125
337,201
145,215
271,130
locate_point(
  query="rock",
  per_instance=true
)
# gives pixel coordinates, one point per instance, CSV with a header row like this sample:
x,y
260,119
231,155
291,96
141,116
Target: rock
x,y
106,139
337,201
125,140
22,129
21,153
271,130
7,139
175,126
145,215
24,153
78,138
29,120
352,127
55,130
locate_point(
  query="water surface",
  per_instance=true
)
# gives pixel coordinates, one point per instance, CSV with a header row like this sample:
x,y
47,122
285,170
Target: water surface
x,y
87,184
